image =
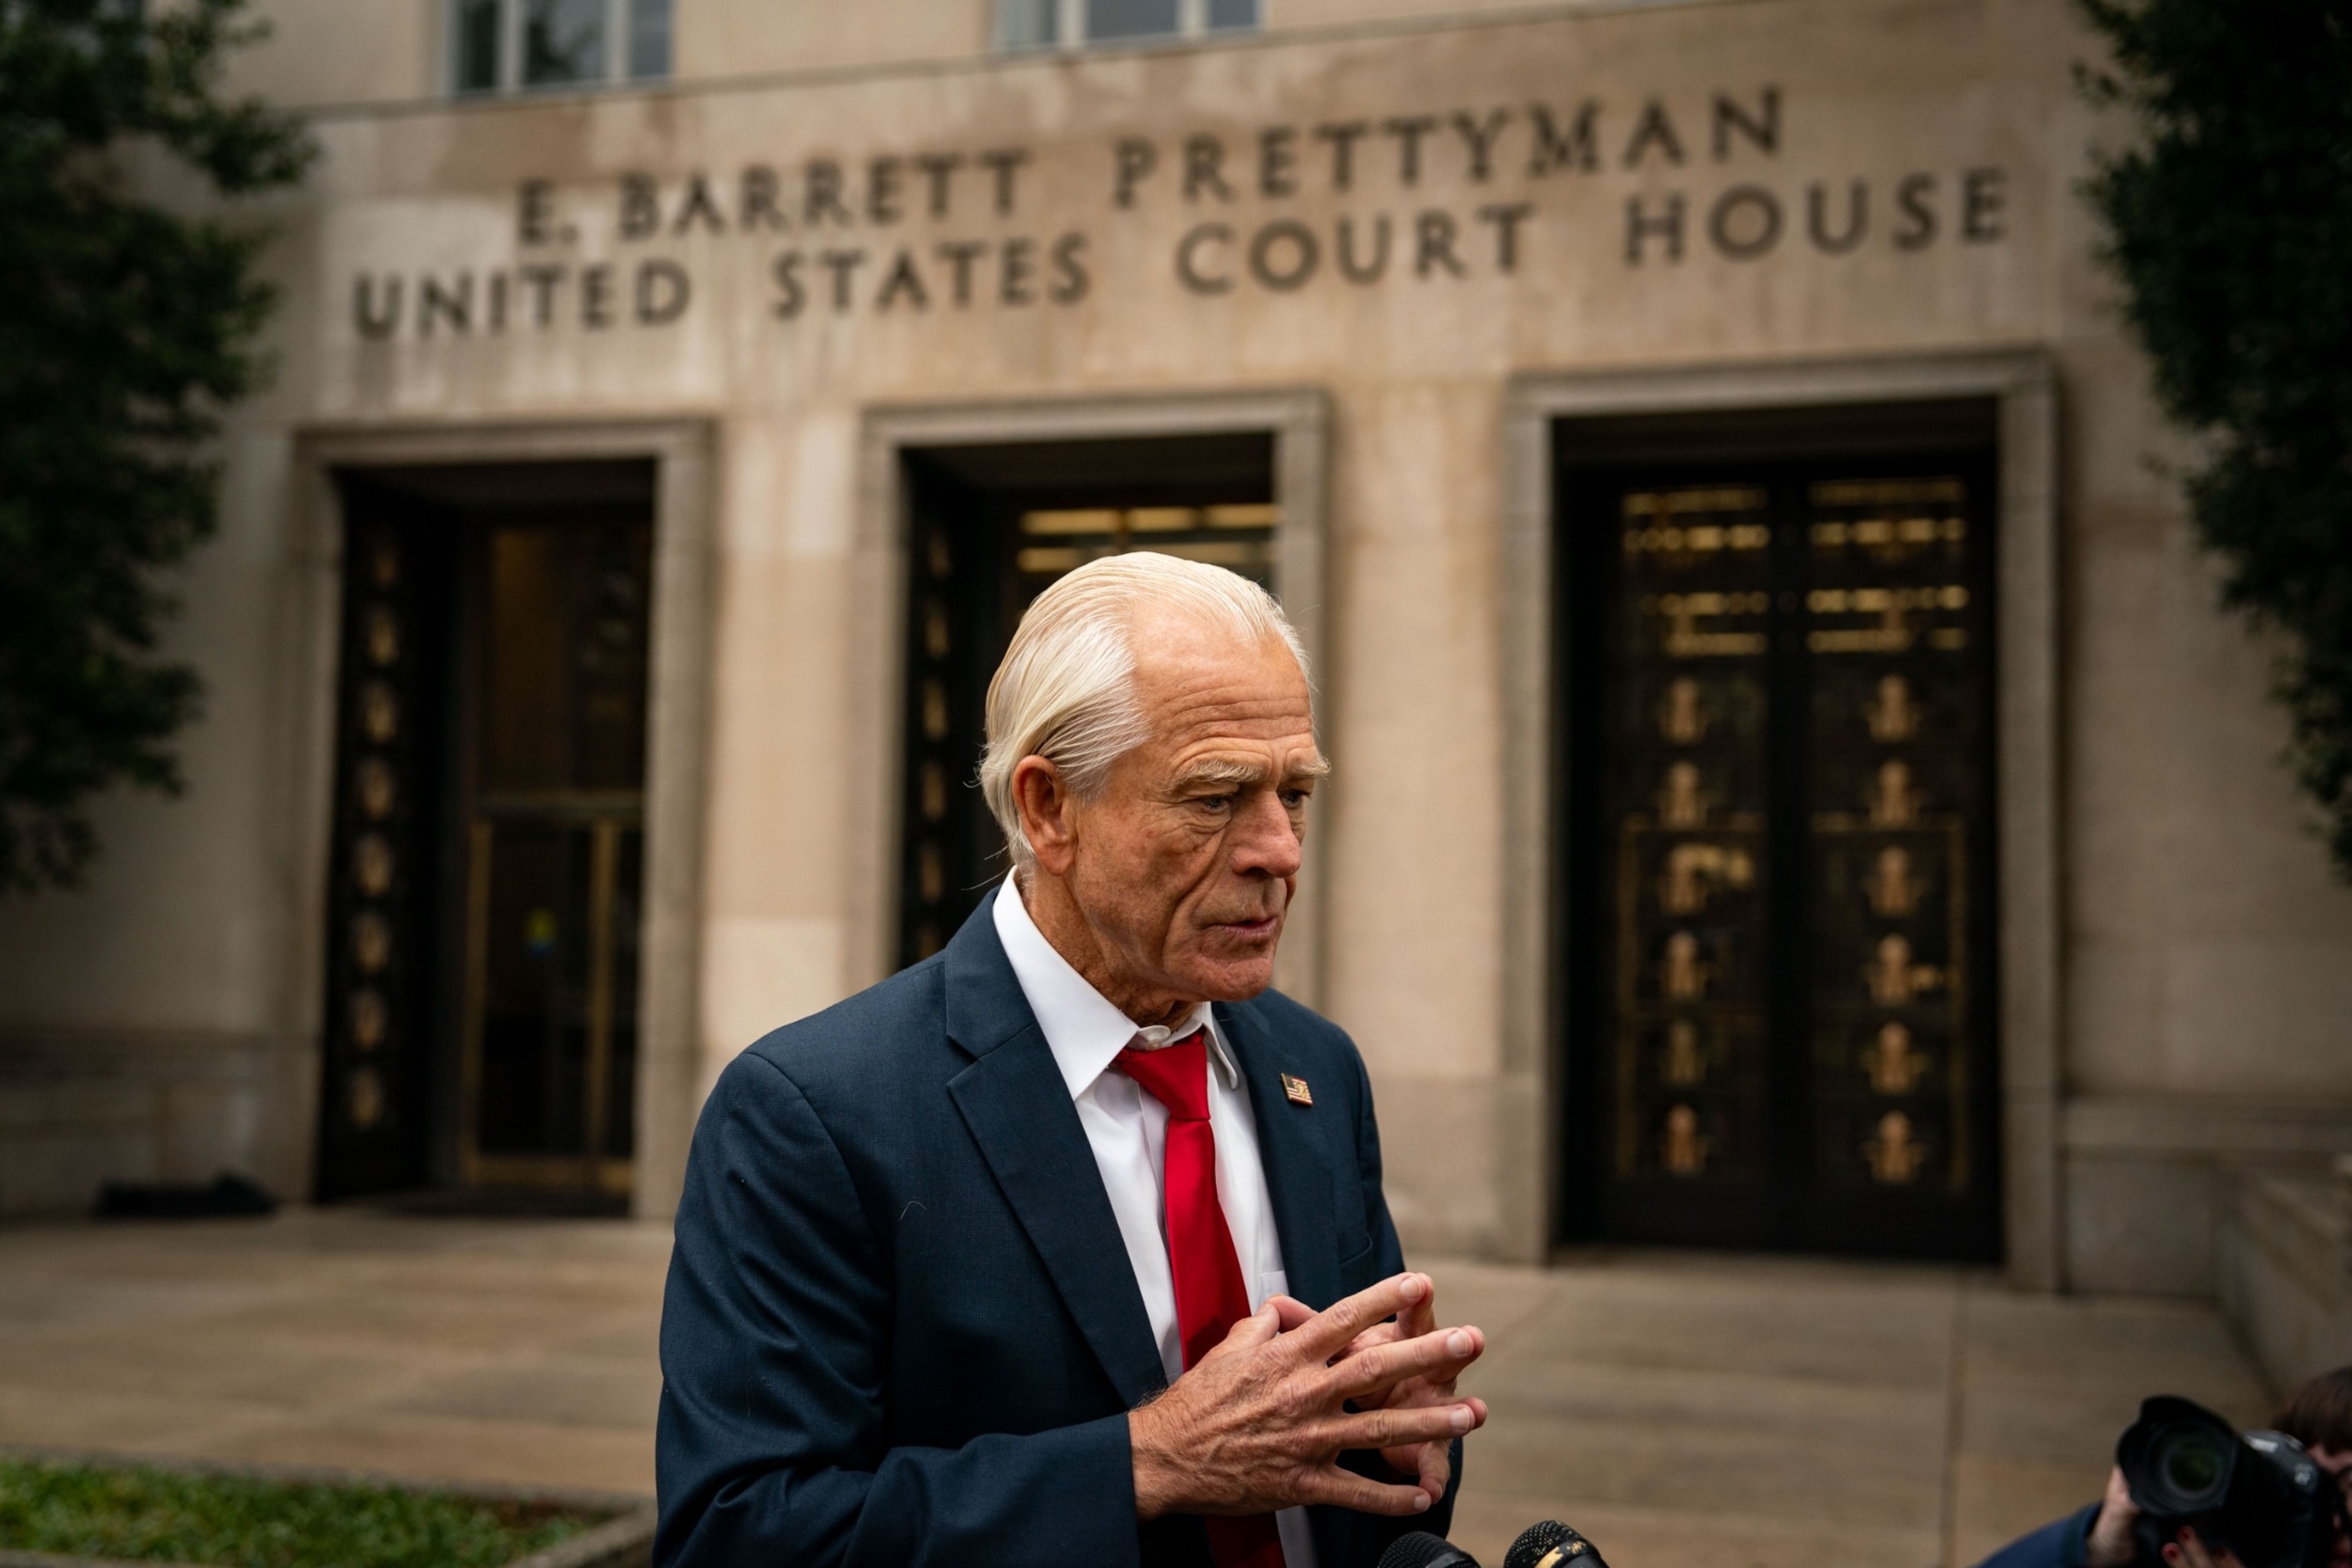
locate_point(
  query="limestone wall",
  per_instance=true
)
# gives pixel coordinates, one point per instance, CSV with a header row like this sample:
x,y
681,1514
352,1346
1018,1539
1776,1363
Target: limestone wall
x,y
1578,188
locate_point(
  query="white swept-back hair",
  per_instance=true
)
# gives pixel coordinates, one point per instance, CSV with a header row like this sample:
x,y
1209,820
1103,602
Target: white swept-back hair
x,y
1066,690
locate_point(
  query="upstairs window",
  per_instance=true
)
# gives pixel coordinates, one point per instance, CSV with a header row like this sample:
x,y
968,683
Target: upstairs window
x,y
521,46
1075,23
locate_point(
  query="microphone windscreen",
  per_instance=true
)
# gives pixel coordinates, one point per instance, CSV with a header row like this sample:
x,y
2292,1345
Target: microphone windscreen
x,y
1551,1544
1419,1549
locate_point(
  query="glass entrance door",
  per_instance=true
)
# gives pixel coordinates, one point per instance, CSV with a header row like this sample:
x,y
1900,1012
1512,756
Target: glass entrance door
x,y
1783,854
554,851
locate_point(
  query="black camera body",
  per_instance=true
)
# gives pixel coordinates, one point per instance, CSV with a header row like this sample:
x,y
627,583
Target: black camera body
x,y
2259,1494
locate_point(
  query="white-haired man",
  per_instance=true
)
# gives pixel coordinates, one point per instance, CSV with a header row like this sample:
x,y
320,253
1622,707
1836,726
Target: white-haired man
x,y
1067,1246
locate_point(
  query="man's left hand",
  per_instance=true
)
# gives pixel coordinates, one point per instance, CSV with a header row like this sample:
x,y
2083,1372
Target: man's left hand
x,y
1431,1463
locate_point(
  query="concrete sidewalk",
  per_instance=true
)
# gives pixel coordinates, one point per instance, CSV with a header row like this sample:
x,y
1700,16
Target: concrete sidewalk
x,y
1699,1411
1685,1411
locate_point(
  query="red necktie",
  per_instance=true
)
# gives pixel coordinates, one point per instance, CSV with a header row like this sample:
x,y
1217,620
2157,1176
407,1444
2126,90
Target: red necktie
x,y
1210,1295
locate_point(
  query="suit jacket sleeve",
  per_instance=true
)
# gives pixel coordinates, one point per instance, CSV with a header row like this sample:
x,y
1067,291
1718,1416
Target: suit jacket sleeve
x,y
2064,1544
774,1444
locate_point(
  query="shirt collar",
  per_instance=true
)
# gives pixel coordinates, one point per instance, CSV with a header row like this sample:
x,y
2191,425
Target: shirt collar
x,y
1083,1028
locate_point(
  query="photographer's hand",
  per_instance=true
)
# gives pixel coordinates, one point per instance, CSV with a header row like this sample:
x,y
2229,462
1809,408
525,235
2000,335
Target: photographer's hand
x,y
2111,1544
2187,1552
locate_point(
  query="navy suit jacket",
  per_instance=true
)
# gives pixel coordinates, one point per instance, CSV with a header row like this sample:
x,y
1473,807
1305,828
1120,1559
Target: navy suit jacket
x,y
901,1326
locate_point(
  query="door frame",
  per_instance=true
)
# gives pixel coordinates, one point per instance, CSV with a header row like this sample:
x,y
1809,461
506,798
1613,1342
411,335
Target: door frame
x,y
1299,421
2023,384
685,454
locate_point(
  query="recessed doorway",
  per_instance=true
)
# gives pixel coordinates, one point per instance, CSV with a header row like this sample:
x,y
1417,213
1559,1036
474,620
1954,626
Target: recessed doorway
x,y
1777,655
990,527
487,866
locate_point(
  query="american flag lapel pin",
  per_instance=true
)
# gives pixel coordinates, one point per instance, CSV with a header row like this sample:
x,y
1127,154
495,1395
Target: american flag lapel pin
x,y
1295,1091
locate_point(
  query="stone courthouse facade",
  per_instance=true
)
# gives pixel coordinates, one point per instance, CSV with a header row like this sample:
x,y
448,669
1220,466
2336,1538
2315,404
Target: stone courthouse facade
x,y
1793,786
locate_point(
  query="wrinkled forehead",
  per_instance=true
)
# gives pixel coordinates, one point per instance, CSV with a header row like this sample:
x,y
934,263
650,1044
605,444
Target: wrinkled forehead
x,y
1198,676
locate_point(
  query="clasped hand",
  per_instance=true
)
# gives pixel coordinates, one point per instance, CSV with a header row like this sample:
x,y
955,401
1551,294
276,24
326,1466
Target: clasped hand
x,y
1259,1423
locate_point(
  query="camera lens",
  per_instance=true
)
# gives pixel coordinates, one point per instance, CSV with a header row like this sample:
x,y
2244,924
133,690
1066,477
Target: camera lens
x,y
2194,1462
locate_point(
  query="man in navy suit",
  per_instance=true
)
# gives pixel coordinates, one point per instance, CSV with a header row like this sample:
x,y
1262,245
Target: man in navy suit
x,y
1066,1246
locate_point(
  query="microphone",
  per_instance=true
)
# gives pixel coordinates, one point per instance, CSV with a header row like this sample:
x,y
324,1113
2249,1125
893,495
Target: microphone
x,y
1550,1544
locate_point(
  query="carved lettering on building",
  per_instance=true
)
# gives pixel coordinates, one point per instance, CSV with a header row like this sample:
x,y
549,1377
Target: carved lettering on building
x,y
1427,200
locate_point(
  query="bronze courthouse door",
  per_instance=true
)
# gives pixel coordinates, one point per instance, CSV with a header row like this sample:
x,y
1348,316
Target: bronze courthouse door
x,y
1779,870
481,1026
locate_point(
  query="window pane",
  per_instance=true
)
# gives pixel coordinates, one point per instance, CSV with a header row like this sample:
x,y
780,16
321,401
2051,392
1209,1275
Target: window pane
x,y
474,38
1129,18
649,40
1028,23
1233,13
563,41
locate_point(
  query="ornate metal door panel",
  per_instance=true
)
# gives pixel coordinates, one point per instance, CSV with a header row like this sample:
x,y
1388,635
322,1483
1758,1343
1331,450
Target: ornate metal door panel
x,y
1689,803
1786,728
373,1117
1898,642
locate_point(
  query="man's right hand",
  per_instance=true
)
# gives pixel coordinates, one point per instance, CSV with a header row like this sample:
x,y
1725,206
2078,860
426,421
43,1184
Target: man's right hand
x,y
1259,1423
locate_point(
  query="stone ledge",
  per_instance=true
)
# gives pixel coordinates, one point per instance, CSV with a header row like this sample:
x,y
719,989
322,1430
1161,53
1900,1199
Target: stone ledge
x,y
2283,1256
2197,1125
80,1107
2297,1219
2149,1180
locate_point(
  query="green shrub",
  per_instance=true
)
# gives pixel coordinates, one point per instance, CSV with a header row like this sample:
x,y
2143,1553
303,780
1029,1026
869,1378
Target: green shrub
x,y
234,1521
2229,224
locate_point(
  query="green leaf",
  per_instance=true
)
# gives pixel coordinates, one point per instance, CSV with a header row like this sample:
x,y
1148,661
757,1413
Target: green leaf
x,y
2228,222
126,330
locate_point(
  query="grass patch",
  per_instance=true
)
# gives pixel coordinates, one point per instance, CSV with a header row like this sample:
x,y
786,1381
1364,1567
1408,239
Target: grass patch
x,y
237,1522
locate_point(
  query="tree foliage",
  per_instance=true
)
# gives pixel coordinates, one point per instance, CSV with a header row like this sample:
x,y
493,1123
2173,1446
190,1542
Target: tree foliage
x,y
2229,224
125,329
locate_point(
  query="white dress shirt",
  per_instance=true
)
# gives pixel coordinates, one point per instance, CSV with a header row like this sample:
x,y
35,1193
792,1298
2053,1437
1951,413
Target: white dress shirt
x,y
1127,1131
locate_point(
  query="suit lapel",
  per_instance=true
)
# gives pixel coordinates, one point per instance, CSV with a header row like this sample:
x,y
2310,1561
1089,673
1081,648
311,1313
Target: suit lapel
x,y
1018,1108
1298,1178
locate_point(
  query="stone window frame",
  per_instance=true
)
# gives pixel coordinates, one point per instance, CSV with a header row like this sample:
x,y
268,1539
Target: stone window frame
x,y
622,69
2023,384
1299,419
1021,28
683,452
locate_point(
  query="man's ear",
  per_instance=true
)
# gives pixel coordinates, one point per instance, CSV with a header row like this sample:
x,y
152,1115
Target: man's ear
x,y
1048,814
